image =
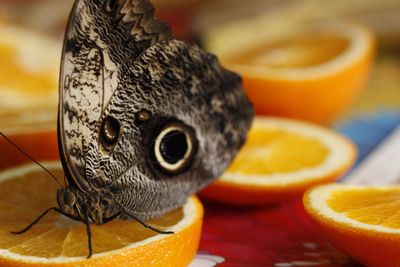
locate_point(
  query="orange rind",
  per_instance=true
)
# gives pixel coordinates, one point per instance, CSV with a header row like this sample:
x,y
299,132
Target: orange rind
x,y
362,221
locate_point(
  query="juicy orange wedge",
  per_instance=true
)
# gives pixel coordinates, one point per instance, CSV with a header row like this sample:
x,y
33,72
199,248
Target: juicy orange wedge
x,y
281,159
25,192
311,74
362,221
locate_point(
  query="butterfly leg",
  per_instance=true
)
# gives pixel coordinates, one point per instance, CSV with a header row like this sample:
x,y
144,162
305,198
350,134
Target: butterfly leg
x,y
133,216
26,229
89,236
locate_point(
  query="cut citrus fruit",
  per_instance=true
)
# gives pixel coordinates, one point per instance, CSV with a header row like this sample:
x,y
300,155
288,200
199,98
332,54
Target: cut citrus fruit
x,y
29,66
311,75
362,221
281,159
25,192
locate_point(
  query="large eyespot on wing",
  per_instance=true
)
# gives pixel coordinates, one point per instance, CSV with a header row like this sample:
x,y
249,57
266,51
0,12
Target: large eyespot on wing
x,y
174,148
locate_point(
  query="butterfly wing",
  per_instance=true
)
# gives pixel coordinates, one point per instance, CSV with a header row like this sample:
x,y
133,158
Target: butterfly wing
x,y
129,92
185,90
100,37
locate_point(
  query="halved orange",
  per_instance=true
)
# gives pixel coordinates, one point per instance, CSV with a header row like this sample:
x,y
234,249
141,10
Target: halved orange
x,y
29,67
361,221
281,159
309,73
25,192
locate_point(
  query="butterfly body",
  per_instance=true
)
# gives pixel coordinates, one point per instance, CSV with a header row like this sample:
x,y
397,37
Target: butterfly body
x,y
120,62
145,120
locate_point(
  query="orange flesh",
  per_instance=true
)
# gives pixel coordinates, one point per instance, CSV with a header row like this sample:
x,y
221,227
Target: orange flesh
x,y
24,198
12,71
270,151
372,206
306,51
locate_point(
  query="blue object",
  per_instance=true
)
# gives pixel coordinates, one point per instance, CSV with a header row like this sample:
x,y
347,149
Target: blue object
x,y
368,130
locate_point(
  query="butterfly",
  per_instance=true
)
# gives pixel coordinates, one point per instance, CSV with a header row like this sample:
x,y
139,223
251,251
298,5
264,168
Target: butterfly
x,y
145,120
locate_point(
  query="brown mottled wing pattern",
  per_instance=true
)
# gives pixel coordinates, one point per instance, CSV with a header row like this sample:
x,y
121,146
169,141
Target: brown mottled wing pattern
x,y
95,53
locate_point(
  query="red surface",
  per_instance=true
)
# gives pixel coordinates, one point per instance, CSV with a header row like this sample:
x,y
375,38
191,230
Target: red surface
x,y
271,236
42,146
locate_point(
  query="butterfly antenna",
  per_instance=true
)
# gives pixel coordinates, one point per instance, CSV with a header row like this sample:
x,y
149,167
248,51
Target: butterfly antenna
x,y
29,157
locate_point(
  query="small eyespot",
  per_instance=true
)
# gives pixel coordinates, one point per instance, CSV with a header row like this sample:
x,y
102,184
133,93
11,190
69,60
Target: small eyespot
x,y
143,116
174,148
110,131
110,6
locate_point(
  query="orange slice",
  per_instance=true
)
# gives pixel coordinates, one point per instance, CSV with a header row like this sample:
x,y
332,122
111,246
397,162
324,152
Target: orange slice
x,y
27,191
29,66
362,221
306,74
281,159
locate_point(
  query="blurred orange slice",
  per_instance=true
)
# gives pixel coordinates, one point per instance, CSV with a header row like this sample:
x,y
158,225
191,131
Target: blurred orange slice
x,y
29,67
25,192
281,159
309,74
361,221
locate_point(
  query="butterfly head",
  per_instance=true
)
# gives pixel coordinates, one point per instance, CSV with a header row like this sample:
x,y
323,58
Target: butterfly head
x,y
68,203
95,207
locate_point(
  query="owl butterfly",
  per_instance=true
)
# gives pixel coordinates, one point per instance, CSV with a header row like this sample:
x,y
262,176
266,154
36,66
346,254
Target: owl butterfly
x,y
145,120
